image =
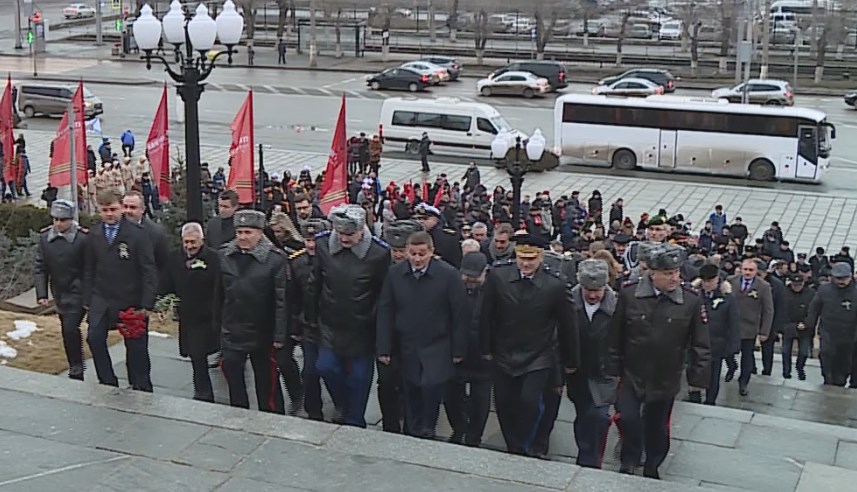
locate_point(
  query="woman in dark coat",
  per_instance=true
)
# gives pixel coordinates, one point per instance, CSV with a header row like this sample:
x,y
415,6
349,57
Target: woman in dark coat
x,y
191,273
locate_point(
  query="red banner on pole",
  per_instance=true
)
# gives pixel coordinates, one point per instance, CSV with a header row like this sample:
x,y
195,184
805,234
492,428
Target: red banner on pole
x,y
333,190
158,149
7,136
241,152
58,174
425,190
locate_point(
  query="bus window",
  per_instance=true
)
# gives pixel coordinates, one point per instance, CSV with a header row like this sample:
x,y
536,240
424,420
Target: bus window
x,y
808,144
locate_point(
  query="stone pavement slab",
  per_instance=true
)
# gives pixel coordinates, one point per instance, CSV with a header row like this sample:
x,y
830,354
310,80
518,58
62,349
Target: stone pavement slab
x,y
758,206
817,477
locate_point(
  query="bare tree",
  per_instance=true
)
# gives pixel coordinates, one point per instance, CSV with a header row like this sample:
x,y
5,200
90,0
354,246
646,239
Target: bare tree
x,y
766,39
624,17
726,10
544,27
481,32
249,8
432,34
694,46
313,45
284,24
452,21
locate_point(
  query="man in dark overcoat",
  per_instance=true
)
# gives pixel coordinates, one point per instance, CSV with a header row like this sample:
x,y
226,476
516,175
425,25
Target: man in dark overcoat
x,y
191,273
422,302
120,274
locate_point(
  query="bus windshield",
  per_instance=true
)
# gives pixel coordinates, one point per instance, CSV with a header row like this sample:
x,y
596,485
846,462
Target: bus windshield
x,y
824,137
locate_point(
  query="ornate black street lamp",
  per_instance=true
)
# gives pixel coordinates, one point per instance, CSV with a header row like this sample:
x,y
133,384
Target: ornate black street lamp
x,y
197,34
517,170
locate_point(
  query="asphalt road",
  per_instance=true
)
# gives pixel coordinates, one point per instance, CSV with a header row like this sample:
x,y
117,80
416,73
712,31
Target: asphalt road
x,y
296,110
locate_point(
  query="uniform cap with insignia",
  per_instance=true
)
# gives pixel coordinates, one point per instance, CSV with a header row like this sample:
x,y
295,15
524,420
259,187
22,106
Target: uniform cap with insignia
x,y
592,274
796,278
397,233
528,247
312,227
657,220
666,257
840,270
348,219
252,219
424,210
62,209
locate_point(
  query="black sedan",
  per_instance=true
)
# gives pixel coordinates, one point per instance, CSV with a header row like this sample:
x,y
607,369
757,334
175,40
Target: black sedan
x,y
851,98
398,78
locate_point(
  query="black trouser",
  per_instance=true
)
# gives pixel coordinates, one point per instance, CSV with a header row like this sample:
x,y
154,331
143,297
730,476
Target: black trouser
x,y
768,352
282,58
714,381
591,423
517,400
650,426
835,362
268,393
137,360
202,389
853,383
72,340
540,443
312,382
390,394
127,150
425,164
422,407
804,345
290,371
748,361
468,412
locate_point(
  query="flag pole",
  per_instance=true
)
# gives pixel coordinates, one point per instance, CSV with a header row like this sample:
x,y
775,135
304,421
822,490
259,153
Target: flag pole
x,y
72,163
261,188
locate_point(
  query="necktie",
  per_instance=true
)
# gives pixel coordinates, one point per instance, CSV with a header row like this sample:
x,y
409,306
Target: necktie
x,y
418,274
110,233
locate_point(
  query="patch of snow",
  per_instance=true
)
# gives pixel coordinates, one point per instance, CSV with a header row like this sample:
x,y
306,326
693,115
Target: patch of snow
x,y
23,329
158,334
6,351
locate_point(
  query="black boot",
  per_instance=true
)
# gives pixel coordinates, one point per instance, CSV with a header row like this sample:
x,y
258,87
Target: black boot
x,y
694,396
801,374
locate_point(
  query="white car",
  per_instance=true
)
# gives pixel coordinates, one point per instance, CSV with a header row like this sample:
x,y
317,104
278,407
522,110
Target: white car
x,y
436,73
629,87
671,30
78,11
514,84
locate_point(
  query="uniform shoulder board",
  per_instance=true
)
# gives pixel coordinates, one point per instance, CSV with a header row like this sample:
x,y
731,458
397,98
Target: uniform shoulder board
x,y
45,229
502,263
297,253
322,234
450,231
629,282
82,229
550,271
380,242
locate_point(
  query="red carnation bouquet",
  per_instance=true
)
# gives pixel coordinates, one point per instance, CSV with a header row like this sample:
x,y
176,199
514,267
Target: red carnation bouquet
x,y
131,324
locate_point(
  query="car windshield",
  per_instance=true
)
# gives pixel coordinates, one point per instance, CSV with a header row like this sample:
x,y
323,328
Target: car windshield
x,y
87,94
500,123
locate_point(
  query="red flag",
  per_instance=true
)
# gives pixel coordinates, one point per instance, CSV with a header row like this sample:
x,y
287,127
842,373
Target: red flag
x,y
425,190
333,189
241,152
439,196
7,137
158,149
412,192
58,174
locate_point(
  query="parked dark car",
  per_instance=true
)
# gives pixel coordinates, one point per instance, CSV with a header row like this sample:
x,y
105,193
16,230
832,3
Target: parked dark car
x,y
398,78
451,64
851,98
659,76
555,72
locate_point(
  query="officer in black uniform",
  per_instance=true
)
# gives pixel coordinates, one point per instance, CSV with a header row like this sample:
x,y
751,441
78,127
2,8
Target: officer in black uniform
x,y
445,240
527,328
59,264
834,311
649,362
300,263
390,375
251,310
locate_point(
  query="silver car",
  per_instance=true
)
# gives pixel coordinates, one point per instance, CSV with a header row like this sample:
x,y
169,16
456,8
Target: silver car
x,y
453,66
437,74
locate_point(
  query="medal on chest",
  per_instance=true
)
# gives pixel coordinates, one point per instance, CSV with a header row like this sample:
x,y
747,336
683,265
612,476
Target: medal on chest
x,y
124,254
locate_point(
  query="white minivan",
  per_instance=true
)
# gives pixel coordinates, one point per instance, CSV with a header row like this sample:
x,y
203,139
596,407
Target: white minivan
x,y
454,126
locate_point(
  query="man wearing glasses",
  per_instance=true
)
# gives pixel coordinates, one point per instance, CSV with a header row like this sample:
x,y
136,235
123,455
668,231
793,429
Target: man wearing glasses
x,y
59,263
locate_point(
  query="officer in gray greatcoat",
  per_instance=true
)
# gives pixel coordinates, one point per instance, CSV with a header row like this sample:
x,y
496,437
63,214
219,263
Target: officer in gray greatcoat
x,y
59,264
834,311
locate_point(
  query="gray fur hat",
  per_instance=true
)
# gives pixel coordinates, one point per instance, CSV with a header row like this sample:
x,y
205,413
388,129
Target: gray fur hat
x,y
347,219
592,274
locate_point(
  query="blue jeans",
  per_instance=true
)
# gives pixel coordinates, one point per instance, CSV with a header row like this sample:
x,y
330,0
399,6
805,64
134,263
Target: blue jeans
x,y
312,382
349,380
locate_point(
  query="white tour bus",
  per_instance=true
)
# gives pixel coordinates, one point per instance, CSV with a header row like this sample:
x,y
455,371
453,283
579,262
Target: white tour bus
x,y
683,134
454,127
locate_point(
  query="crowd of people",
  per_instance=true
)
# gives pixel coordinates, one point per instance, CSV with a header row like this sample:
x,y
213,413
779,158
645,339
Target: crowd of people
x,y
433,286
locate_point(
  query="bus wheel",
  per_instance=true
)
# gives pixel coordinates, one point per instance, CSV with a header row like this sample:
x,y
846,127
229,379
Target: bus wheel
x,y
624,159
412,147
761,170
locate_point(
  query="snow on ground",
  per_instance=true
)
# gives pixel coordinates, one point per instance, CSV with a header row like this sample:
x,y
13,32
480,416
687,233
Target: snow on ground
x,y
158,334
7,352
23,329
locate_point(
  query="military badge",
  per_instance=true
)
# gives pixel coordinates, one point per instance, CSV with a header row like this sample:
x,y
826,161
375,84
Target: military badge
x,y
846,304
703,313
754,294
198,264
123,251
716,302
